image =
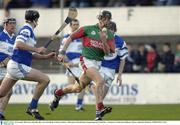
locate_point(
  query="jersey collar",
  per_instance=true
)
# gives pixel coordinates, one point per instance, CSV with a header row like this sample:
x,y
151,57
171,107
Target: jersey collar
x,y
27,24
10,36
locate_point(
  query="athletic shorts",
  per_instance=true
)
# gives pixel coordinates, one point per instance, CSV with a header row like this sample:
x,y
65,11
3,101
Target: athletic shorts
x,y
108,75
3,72
16,70
88,63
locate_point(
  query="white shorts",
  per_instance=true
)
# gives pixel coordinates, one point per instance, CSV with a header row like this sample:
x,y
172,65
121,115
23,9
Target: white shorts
x,y
3,72
88,63
16,70
108,75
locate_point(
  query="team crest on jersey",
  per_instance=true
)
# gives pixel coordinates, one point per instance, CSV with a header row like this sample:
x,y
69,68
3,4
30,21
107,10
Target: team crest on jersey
x,y
93,33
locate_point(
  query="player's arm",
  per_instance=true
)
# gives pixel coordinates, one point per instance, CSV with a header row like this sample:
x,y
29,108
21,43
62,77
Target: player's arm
x,y
103,38
123,53
111,44
42,57
75,35
21,40
21,45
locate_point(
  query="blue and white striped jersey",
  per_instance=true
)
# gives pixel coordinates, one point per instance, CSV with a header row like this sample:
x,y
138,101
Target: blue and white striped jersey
x,y
25,35
74,49
112,60
6,45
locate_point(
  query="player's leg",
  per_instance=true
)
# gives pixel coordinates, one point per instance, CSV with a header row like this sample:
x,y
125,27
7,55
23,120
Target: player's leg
x,y
79,103
3,103
4,100
95,76
43,81
71,88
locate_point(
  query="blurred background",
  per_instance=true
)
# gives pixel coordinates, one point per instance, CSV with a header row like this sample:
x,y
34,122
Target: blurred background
x,y
151,29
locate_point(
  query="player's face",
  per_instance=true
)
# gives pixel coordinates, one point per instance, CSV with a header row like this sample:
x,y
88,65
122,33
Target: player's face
x,y
10,27
103,22
74,26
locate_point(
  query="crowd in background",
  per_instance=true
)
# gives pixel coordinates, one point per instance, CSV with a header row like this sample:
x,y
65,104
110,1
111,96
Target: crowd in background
x,y
146,58
85,3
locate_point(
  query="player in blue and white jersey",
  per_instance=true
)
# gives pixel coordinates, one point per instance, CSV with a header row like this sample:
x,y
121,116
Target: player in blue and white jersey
x,y
73,54
111,63
7,39
19,66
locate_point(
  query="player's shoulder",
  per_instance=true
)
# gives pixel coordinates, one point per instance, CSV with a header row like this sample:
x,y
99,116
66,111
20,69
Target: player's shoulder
x,y
2,35
119,41
25,31
89,27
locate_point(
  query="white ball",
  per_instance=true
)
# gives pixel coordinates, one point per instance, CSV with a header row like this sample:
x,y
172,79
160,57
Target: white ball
x,y
104,29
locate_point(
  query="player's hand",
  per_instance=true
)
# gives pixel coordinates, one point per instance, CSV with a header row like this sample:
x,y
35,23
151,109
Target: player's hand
x,y
119,80
51,55
61,58
41,50
70,64
103,36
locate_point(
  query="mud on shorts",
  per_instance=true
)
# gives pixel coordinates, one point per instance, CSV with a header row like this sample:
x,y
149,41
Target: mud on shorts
x,y
16,70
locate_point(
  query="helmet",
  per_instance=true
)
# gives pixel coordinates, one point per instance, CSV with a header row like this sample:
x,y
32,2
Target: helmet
x,y
9,20
31,15
104,13
111,26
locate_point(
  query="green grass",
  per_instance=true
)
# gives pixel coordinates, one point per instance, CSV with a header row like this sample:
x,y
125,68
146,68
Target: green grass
x,y
120,112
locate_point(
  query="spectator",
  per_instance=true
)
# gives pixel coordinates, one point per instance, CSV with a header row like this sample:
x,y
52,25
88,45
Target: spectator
x,y
177,59
141,58
167,59
131,59
152,58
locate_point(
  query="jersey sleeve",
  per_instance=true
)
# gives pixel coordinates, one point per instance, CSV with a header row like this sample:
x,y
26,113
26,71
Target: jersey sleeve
x,y
123,51
78,33
23,35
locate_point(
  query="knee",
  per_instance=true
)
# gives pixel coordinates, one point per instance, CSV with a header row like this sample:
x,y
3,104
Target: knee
x,y
100,82
46,80
77,89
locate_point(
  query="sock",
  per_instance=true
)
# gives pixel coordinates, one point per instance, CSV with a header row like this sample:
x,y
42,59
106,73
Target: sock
x,y
79,102
2,113
99,106
98,113
59,92
33,104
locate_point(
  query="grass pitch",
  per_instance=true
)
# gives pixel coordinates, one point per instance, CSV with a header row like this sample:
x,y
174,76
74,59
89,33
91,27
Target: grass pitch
x,y
119,112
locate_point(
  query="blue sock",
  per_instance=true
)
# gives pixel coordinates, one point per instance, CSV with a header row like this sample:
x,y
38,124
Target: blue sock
x,y
79,102
2,113
33,104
